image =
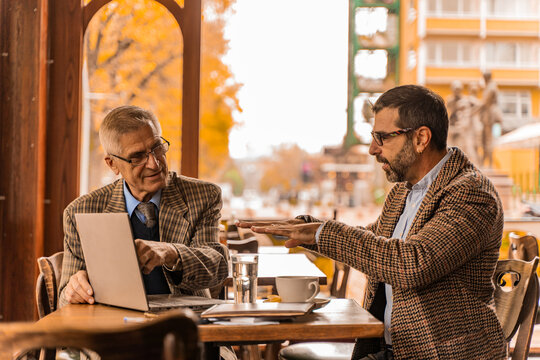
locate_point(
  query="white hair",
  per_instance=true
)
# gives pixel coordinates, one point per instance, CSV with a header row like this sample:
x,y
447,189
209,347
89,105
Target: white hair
x,y
124,119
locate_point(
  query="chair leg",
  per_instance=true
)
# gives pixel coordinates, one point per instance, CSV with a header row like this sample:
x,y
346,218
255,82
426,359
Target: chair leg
x,y
250,352
47,354
272,351
529,311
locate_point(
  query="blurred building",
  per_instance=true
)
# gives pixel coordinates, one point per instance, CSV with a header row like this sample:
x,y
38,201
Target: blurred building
x,y
445,40
435,42
348,178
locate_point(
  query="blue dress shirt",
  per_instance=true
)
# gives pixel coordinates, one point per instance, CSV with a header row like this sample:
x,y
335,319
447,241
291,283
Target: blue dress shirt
x,y
132,203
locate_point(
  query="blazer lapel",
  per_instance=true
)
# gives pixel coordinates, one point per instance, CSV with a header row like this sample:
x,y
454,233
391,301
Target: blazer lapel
x,y
173,227
394,213
387,229
117,203
453,165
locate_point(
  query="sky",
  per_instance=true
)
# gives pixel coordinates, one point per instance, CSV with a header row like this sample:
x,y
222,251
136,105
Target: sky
x,y
291,56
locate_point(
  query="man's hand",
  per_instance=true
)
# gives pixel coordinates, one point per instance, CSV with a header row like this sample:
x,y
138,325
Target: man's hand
x,y
297,234
78,289
155,253
249,224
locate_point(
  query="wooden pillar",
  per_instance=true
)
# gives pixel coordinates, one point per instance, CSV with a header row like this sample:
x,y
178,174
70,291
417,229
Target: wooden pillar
x,y
23,47
63,120
191,88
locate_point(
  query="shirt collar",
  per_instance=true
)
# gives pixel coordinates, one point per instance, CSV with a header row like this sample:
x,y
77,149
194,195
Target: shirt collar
x,y
428,179
131,202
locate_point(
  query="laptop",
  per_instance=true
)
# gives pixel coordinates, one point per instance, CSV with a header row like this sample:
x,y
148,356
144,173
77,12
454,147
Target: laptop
x,y
113,266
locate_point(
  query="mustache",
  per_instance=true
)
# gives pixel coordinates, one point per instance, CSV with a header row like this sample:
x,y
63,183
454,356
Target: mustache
x,y
159,171
381,160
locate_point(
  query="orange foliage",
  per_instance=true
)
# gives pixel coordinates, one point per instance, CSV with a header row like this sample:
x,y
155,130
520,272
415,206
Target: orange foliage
x,y
133,52
283,169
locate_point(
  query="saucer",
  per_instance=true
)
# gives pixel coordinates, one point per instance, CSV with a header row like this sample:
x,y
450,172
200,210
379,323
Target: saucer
x,y
320,303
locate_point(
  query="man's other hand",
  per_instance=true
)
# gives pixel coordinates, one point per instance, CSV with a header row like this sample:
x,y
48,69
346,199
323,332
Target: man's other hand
x,y
155,253
297,234
78,289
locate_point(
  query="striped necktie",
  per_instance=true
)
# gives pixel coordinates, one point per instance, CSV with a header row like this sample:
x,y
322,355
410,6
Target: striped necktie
x,y
148,209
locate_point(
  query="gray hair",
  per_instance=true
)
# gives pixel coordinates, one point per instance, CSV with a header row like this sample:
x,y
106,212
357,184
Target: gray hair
x,y
122,120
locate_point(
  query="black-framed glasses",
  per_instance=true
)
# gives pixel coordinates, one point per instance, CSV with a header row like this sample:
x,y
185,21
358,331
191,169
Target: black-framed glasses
x,y
379,136
141,158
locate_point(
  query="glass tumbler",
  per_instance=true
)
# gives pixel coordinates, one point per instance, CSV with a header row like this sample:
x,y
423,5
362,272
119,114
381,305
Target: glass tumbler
x,y
244,275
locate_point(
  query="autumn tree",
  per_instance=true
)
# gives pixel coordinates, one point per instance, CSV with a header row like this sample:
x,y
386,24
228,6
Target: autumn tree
x,y
282,170
133,53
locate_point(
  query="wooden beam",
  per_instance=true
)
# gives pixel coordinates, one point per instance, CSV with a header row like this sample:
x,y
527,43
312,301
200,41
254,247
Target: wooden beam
x,y
63,125
191,88
23,72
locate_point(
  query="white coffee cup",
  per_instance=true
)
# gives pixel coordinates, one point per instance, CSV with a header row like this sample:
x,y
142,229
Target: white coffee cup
x,y
297,288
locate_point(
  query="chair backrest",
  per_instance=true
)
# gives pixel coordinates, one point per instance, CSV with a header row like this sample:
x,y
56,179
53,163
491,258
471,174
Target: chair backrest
x,y
232,232
172,336
522,247
250,245
516,301
338,288
50,269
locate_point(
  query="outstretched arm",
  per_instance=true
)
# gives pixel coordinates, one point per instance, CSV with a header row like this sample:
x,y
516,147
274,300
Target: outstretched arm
x,y
299,234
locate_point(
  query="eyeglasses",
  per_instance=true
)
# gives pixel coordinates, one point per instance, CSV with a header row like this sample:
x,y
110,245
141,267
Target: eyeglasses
x,y
379,136
141,158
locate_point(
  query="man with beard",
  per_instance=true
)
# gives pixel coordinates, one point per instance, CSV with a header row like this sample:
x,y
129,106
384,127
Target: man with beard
x,y
431,253
173,218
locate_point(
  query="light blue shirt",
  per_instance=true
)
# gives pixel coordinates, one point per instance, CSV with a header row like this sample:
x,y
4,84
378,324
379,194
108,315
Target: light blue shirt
x,y
132,203
413,202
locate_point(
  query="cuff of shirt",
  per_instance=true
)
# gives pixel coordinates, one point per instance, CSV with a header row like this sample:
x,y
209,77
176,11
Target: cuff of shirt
x,y
175,272
177,265
318,233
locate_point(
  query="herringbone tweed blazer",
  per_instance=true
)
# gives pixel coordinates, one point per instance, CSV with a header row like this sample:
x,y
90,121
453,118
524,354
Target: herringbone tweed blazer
x,y
189,215
443,305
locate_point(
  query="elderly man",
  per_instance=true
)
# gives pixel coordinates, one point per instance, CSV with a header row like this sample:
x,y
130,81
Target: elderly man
x,y
431,253
174,218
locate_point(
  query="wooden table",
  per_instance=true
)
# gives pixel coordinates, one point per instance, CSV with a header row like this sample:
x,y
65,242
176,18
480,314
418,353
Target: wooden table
x,y
340,319
272,265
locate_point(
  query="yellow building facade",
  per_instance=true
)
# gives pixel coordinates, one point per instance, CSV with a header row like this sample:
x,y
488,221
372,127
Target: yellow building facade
x,y
446,40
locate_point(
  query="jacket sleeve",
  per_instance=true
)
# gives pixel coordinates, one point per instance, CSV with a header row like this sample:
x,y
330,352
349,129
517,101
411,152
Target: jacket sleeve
x,y
203,261
73,255
466,220
315,247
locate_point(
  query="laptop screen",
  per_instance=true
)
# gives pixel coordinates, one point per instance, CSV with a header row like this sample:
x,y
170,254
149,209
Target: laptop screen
x,y
111,259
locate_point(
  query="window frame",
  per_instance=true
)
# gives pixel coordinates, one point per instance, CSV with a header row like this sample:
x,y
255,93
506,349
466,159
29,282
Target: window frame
x,y
474,60
518,62
519,98
439,11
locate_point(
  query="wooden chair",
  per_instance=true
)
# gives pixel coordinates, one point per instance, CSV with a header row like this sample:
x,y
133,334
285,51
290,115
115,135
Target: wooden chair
x,y
249,245
47,283
516,303
338,288
173,336
232,232
522,247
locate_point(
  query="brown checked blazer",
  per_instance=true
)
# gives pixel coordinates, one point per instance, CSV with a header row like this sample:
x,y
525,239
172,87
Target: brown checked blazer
x,y
440,274
189,214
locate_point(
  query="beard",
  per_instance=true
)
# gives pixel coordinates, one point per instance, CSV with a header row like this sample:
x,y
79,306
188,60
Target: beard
x,y
397,169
